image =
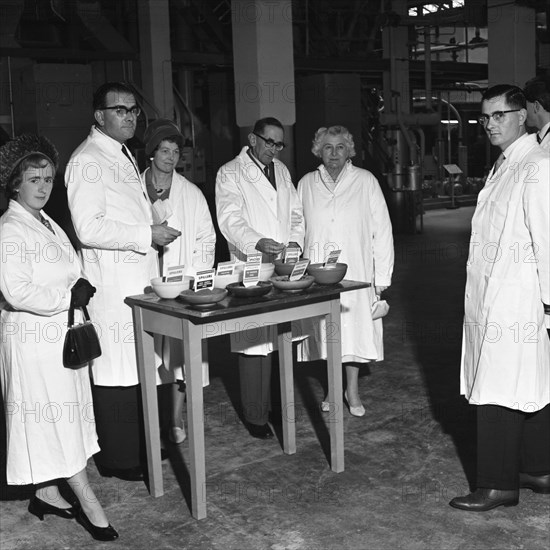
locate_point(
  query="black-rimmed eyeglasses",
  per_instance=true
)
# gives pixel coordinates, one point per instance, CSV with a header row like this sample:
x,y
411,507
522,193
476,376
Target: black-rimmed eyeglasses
x,y
270,144
121,110
497,116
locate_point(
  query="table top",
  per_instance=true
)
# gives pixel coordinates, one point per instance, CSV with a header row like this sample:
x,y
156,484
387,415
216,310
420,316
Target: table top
x,y
233,307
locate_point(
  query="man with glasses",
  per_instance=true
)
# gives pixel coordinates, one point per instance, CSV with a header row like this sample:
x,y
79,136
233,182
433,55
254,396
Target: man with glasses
x,y
537,92
112,216
505,368
258,209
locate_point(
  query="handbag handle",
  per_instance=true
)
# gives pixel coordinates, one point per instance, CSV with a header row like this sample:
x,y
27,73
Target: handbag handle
x,y
71,315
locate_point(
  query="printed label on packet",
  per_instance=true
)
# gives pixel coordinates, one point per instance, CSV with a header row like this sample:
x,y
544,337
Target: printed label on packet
x,y
252,269
174,275
204,279
292,255
332,258
299,269
226,268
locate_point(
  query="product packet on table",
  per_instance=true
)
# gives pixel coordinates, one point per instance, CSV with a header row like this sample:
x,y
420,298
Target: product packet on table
x,y
204,279
332,258
174,275
226,268
299,270
292,255
252,268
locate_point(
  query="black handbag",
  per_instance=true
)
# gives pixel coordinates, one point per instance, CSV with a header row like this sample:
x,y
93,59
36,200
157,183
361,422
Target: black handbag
x,y
81,342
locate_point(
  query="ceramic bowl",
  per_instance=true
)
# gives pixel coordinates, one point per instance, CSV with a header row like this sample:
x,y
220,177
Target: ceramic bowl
x,y
240,291
266,271
283,269
170,290
281,282
221,281
327,275
203,297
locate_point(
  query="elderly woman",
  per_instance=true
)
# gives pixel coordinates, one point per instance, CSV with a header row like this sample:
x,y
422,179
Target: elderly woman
x,y
181,203
344,209
49,414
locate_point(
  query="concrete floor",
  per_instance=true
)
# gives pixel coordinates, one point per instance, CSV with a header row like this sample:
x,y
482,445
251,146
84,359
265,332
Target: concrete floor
x,y
410,454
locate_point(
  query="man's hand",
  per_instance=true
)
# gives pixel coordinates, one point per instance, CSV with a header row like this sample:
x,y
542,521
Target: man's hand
x,y
269,246
163,234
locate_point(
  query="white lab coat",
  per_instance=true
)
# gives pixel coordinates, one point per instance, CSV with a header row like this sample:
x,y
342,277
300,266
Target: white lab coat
x,y
195,250
249,209
505,347
545,132
49,413
353,218
112,217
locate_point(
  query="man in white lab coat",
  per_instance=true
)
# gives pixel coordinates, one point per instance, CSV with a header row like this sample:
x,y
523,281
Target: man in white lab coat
x,y
505,367
258,209
113,221
537,92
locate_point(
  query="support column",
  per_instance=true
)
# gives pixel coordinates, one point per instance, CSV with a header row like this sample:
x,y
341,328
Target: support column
x,y
511,31
264,66
155,52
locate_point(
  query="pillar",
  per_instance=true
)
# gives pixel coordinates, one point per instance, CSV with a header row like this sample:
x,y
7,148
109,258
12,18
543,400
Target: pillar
x,y
511,31
263,60
155,53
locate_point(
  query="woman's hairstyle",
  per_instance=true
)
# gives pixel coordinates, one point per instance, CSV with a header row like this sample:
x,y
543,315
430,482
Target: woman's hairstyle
x,y
21,153
513,95
34,160
333,131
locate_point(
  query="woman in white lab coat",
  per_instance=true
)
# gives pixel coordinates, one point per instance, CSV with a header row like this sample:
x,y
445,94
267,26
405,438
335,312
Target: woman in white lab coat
x,y
344,209
50,420
182,205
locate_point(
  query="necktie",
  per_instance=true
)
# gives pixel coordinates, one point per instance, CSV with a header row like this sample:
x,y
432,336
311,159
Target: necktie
x,y
270,174
129,157
539,139
47,224
498,163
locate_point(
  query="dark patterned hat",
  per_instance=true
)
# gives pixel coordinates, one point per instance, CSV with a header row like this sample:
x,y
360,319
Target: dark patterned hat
x,y
19,148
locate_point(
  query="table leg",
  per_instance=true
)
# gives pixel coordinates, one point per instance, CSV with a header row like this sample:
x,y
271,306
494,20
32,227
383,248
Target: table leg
x,y
145,355
287,387
334,366
192,353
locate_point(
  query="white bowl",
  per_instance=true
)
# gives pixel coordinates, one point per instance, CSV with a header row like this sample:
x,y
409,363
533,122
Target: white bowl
x,y
170,290
266,271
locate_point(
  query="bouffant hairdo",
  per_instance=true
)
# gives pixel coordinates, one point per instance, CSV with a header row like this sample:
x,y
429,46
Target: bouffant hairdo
x,y
22,152
333,131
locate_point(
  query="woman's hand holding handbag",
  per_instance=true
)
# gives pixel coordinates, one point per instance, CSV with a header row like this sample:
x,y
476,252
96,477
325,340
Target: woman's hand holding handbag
x,y
81,341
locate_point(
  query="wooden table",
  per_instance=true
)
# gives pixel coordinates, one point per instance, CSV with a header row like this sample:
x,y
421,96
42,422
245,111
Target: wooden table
x,y
174,318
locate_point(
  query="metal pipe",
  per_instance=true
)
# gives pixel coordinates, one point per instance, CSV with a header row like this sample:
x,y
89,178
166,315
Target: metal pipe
x,y
11,99
428,66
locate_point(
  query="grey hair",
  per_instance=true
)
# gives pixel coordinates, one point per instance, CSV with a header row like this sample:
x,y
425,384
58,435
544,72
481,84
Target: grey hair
x,y
321,133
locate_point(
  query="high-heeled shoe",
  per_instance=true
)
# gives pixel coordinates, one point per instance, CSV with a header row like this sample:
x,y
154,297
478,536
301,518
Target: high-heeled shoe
x,y
354,411
39,508
177,435
98,533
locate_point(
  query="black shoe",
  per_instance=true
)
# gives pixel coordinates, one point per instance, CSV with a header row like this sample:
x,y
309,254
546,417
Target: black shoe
x,y
40,508
537,484
127,474
482,500
258,431
99,533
